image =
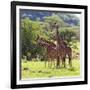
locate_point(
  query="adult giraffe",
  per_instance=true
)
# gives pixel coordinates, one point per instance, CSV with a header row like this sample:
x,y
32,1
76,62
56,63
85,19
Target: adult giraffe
x,y
67,50
63,49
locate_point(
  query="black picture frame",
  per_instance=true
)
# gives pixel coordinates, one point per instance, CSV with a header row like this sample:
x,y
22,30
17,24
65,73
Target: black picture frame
x,y
14,4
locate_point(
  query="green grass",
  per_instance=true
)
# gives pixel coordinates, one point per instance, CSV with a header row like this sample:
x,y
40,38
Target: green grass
x,y
77,45
36,69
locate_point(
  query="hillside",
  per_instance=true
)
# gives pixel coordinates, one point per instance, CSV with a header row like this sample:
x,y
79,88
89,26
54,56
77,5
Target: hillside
x,y
70,19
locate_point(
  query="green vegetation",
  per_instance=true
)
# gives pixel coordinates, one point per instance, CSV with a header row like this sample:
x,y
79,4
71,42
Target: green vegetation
x,y
36,69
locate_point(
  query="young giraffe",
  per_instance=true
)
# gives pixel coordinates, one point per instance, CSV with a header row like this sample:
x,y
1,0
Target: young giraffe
x,y
51,50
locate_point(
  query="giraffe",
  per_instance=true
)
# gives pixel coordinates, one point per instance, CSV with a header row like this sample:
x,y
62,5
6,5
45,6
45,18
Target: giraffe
x,y
52,54
67,50
61,55
63,49
51,50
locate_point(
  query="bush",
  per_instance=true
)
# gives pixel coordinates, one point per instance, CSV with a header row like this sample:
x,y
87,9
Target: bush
x,y
28,56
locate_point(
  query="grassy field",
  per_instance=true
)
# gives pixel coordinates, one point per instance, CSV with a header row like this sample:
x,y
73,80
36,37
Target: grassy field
x,y
36,69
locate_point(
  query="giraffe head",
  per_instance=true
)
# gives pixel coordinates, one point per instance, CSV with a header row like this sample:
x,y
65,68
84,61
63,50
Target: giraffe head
x,y
41,41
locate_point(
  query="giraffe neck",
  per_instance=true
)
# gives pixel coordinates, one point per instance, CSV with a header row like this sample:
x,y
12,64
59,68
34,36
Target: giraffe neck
x,y
57,37
60,41
47,44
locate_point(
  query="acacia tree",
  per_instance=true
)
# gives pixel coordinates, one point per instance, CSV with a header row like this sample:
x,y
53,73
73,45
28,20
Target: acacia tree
x,y
66,32
50,25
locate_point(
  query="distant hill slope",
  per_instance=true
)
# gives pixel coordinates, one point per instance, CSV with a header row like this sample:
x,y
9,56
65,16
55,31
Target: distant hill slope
x,y
68,18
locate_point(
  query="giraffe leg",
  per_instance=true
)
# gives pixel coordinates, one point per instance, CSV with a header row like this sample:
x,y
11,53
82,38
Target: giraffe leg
x,y
54,63
49,63
70,59
46,59
58,63
64,62
70,62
